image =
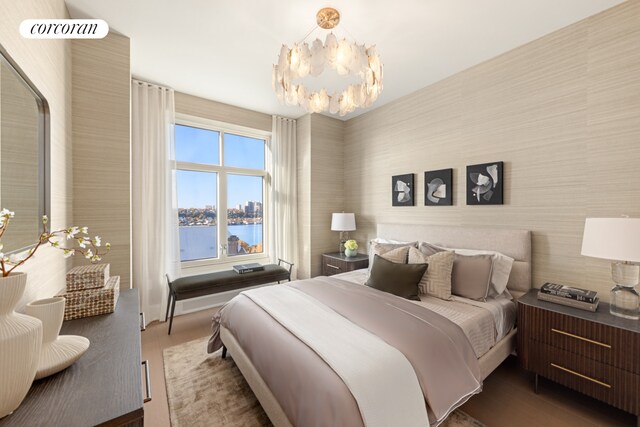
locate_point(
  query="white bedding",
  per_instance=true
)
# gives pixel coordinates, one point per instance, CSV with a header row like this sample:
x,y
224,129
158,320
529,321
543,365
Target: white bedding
x,y
484,323
391,397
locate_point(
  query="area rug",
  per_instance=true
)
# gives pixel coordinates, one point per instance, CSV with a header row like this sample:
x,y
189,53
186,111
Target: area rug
x,y
206,390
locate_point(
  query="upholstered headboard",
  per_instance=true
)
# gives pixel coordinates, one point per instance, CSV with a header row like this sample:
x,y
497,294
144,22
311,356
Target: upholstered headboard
x,y
511,242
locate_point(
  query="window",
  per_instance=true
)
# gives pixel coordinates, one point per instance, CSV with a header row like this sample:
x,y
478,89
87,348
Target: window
x,y
220,169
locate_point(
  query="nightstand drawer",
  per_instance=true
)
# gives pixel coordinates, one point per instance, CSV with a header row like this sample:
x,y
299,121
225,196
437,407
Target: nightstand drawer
x,y
612,385
335,263
602,343
333,266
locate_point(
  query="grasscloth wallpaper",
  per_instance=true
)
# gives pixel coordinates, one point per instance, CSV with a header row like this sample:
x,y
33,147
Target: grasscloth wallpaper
x,y
320,148
102,146
212,110
562,112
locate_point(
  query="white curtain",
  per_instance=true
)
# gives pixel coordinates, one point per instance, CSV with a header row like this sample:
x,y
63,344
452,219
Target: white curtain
x,y
153,196
283,170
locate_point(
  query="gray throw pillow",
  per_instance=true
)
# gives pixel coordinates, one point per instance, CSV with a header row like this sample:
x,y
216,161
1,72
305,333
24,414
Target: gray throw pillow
x,y
471,275
398,279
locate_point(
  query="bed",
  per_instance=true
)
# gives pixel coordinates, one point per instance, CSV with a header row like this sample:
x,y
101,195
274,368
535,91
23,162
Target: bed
x,y
257,361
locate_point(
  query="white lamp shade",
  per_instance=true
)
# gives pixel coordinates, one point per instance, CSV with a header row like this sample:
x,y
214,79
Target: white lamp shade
x,y
343,222
612,238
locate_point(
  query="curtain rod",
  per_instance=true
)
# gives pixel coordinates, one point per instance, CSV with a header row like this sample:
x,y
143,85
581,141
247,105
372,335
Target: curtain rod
x,y
275,116
143,83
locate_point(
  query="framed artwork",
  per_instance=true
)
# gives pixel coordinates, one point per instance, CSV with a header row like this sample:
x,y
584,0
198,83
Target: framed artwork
x,y
484,184
438,188
402,190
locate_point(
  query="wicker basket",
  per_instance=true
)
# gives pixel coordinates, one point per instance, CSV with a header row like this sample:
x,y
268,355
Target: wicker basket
x,y
87,277
91,302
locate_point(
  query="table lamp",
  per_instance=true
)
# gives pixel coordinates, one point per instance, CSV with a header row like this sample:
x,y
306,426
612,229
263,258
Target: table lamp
x,y
344,223
617,239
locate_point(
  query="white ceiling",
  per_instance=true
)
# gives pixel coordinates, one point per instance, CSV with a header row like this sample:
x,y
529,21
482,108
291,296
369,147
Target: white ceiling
x,y
224,50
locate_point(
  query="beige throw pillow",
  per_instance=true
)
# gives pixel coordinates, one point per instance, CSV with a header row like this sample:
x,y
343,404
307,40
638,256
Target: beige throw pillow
x,y
398,255
500,271
391,251
471,276
437,279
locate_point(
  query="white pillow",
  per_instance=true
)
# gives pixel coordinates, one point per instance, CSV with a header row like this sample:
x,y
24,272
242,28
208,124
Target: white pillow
x,y
502,265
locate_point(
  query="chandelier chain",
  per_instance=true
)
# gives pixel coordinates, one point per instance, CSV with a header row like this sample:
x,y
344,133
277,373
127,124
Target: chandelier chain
x,y
315,27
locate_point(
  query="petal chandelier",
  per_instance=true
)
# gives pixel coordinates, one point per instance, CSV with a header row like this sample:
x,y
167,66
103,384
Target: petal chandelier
x,y
345,57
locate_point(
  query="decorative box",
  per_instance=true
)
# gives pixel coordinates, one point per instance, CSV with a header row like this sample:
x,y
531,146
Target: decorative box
x,y
91,302
87,277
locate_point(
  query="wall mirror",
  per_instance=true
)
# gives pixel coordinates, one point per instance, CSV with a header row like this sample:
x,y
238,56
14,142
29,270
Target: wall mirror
x,y
24,155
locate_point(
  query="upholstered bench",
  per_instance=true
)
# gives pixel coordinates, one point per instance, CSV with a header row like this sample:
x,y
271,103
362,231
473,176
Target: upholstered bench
x,y
222,281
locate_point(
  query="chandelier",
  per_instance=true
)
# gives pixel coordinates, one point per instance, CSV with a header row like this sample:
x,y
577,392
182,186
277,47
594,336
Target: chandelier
x,y
346,58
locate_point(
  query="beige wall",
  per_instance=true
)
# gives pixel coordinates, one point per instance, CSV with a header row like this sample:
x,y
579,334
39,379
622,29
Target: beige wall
x,y
562,112
48,65
102,145
320,188
212,110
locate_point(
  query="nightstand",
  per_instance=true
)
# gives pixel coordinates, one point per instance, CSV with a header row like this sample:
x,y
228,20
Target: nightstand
x,y
597,354
335,262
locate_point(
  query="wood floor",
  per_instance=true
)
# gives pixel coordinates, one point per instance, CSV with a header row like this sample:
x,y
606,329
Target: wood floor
x,y
507,400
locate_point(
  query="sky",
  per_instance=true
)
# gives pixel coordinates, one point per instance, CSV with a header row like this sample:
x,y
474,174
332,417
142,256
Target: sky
x,y
198,189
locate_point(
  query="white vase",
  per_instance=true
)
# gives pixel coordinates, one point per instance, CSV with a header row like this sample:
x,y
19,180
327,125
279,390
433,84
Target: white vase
x,y
20,341
58,352
350,252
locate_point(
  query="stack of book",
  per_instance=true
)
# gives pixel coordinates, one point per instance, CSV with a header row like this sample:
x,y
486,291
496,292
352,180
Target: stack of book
x,y
247,268
572,297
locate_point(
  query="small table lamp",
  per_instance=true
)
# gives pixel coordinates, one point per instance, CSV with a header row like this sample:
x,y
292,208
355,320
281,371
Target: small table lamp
x,y
617,239
343,222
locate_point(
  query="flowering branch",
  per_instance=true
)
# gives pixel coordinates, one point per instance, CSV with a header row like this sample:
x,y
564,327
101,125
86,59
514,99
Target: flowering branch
x,y
89,247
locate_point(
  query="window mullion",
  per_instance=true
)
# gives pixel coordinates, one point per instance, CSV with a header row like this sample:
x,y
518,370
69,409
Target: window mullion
x,y
222,202
198,167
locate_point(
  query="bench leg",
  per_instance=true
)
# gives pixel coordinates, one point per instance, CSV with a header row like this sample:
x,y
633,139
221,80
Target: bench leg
x,y
166,316
224,351
173,309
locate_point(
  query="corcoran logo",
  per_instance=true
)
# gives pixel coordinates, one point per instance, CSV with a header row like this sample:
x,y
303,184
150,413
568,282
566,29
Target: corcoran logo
x,y
64,28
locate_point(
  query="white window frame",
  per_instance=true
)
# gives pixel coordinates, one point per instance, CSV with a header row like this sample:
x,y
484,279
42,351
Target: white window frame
x,y
222,171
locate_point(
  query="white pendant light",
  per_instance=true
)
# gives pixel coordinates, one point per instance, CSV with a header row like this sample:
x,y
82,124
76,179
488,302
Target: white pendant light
x,y
347,58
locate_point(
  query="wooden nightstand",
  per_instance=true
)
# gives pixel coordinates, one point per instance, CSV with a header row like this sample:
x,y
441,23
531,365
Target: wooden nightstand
x,y
334,263
597,354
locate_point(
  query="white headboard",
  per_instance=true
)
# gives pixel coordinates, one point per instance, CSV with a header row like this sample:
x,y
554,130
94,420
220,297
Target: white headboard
x,y
511,242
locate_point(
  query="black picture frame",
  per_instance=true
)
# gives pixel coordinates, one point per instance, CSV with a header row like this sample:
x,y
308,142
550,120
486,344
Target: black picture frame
x,y
485,184
402,190
438,187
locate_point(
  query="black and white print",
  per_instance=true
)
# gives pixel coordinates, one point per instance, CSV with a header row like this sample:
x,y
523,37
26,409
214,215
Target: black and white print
x,y
485,184
402,190
438,188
